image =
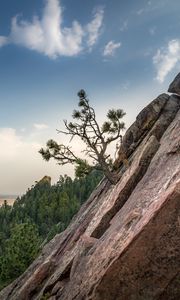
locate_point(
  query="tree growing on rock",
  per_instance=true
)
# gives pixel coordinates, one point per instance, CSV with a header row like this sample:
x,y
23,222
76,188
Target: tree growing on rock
x,y
96,138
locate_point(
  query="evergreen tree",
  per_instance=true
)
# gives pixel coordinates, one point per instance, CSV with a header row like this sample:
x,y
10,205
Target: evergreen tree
x,y
96,138
20,250
50,209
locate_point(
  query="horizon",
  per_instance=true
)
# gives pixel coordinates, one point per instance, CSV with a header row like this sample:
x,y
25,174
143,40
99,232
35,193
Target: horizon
x,y
2,196
123,54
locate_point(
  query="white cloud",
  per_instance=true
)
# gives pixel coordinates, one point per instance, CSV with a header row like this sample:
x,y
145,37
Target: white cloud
x,y
93,28
47,35
40,126
148,7
140,11
110,48
3,41
152,30
23,129
20,162
124,26
166,59
11,144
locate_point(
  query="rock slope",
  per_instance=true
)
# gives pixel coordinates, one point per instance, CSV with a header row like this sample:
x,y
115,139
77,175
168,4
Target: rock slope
x,y
124,242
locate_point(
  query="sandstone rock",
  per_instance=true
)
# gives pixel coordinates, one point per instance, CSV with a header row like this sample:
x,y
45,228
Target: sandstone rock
x,y
138,255
86,243
121,192
58,287
45,179
137,131
175,85
124,242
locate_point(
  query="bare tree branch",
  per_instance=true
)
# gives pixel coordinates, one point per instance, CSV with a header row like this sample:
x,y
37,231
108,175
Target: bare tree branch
x,y
95,137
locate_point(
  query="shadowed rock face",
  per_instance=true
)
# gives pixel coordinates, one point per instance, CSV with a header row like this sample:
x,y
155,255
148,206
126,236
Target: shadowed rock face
x,y
124,242
175,85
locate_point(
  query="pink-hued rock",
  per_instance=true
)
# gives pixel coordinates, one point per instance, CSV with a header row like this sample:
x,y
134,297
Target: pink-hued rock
x,y
120,193
124,242
138,255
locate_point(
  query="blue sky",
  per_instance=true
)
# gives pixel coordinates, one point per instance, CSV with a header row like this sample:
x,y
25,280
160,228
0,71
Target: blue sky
x,y
123,53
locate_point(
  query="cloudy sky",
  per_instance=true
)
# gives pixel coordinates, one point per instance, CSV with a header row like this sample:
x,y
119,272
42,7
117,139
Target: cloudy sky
x,y
123,53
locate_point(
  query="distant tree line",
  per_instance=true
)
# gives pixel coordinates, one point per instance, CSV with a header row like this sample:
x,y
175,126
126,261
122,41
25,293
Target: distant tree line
x,y
36,217
45,210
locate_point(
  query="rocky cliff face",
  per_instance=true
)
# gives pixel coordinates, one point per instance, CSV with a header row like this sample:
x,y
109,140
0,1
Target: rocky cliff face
x,y
45,179
124,242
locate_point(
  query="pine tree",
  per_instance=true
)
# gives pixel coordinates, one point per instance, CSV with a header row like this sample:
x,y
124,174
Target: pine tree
x,y
96,138
20,250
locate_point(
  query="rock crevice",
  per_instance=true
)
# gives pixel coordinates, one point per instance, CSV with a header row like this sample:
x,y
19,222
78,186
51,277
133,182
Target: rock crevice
x,y
124,242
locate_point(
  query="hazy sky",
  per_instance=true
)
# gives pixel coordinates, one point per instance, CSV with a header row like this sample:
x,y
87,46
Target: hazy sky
x,y
123,53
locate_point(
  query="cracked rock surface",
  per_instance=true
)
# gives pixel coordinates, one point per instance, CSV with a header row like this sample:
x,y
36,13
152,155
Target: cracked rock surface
x,y
124,242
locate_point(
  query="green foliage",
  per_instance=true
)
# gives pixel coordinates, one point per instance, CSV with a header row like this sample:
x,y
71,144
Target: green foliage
x,y
82,95
82,168
38,216
20,250
114,115
76,115
95,137
46,296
